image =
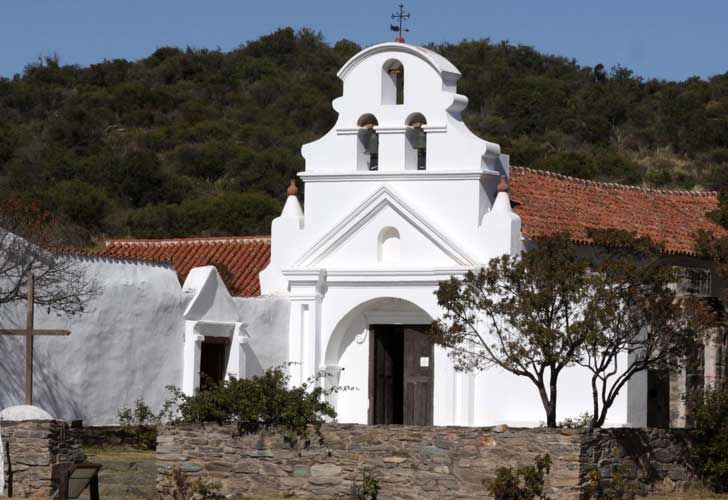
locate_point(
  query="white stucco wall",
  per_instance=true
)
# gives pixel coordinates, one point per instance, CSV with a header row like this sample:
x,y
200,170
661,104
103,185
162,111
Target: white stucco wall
x,y
265,321
127,345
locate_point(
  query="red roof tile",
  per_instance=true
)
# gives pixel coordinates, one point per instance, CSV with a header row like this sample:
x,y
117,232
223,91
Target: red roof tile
x,y
546,202
549,203
238,259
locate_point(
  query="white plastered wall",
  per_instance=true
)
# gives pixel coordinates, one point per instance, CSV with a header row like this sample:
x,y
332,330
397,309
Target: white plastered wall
x,y
448,218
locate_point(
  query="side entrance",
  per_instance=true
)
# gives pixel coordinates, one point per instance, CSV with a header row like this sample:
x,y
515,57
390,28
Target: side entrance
x,y
401,375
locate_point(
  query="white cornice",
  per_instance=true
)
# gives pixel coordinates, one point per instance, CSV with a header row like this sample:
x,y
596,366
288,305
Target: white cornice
x,y
355,278
411,175
393,129
390,129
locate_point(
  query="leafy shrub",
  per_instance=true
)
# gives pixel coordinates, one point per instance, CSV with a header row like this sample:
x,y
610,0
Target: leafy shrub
x,y
583,421
140,423
709,415
366,489
524,483
200,489
614,489
260,403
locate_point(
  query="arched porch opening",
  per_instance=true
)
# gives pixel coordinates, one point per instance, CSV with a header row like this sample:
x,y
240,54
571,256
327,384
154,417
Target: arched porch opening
x,y
380,348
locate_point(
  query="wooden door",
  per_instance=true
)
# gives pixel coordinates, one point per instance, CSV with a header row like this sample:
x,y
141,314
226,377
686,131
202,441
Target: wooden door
x,y
213,360
385,375
418,376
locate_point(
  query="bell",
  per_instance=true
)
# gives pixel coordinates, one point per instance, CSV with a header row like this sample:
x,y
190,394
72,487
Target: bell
x,y
420,141
372,143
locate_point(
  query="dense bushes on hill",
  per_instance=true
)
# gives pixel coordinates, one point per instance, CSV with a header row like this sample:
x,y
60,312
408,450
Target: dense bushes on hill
x,y
199,142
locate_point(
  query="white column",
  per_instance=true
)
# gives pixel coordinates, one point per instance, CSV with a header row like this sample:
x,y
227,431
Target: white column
x,y
191,359
304,338
464,396
333,375
712,354
237,362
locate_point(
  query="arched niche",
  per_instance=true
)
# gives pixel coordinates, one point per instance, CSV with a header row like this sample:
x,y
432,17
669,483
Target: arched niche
x,y
415,155
388,245
392,82
367,152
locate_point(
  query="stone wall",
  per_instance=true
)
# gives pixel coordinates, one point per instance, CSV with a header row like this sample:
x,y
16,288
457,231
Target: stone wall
x,y
419,462
409,462
31,448
103,436
644,460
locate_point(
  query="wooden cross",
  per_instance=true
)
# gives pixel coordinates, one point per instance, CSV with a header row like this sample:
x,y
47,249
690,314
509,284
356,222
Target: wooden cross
x,y
29,333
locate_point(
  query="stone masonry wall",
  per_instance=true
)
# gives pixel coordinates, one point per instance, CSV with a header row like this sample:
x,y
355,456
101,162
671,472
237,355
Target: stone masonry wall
x,y
409,462
102,436
645,460
31,448
419,462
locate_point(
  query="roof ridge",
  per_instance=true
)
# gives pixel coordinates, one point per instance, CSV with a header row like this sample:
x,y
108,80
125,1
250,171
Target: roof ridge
x,y
615,185
195,240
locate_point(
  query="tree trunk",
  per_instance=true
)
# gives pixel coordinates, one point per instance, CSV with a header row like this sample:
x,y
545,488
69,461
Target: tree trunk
x,y
551,413
549,406
595,400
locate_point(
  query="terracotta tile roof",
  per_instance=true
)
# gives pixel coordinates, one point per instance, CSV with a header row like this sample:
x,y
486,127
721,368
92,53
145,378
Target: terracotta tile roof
x,y
548,203
238,259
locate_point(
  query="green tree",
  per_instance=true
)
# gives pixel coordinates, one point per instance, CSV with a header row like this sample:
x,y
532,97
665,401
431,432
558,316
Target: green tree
x,y
521,314
709,418
550,307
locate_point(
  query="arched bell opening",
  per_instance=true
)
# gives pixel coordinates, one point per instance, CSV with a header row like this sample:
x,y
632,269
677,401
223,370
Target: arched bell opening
x,y
416,143
392,82
368,144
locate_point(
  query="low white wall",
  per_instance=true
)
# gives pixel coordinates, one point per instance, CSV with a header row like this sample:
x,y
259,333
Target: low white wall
x,y
127,345
266,324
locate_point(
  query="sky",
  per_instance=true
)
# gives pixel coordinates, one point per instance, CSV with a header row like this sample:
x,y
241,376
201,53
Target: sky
x,y
655,38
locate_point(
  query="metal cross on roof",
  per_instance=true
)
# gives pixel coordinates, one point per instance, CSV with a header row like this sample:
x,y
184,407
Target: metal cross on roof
x,y
28,332
401,17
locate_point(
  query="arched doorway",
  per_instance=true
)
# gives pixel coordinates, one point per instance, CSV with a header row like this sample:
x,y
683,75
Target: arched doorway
x,y
381,348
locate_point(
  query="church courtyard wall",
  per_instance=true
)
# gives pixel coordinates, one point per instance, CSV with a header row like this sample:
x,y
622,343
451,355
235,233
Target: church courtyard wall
x,y
418,462
126,345
31,449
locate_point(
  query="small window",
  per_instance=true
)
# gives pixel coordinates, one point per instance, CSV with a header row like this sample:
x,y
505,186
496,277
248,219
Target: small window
x,y
692,281
388,245
393,82
416,143
368,143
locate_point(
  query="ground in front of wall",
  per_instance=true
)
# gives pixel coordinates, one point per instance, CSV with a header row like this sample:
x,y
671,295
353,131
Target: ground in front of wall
x,y
690,495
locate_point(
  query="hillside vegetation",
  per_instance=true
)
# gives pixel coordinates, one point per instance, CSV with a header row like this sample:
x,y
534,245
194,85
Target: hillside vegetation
x,y
195,142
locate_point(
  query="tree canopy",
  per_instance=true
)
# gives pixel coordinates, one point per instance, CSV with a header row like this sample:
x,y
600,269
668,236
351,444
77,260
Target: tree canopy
x,y
196,141
612,310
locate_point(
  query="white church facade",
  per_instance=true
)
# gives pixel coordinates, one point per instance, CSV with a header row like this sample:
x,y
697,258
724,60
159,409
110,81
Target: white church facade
x,y
399,195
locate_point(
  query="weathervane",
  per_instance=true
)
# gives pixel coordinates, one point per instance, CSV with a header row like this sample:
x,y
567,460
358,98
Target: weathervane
x,y
401,17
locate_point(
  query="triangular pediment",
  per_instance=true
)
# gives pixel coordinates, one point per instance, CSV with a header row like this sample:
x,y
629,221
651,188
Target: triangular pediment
x,y
208,298
356,240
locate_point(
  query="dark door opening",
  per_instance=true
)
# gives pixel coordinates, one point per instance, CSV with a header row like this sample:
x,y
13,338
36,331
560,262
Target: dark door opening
x,y
213,360
401,375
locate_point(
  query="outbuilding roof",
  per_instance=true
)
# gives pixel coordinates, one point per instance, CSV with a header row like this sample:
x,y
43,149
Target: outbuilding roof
x,y
237,259
549,203
546,202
